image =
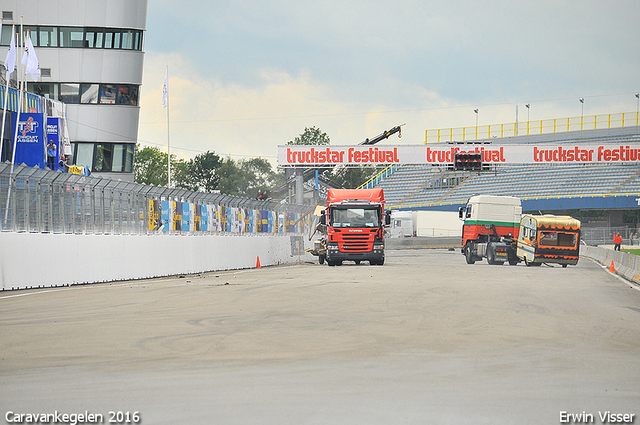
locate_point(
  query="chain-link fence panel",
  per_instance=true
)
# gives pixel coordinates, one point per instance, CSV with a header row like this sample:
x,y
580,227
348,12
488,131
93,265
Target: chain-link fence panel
x,y
41,200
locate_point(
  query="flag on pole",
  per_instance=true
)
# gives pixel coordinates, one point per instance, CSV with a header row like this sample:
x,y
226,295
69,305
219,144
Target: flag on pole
x,y
165,88
10,60
30,60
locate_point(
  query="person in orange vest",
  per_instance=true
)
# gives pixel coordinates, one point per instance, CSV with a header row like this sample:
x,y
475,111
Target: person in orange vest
x,y
617,241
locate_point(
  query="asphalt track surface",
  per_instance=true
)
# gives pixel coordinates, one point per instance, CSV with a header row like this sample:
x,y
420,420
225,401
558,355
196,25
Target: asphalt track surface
x,y
423,339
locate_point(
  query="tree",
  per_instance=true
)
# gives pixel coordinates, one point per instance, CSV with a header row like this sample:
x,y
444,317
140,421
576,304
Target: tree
x,y
231,180
260,177
352,177
150,166
311,136
207,172
201,173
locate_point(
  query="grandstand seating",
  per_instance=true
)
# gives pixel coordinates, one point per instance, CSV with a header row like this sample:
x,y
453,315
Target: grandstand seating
x,y
420,186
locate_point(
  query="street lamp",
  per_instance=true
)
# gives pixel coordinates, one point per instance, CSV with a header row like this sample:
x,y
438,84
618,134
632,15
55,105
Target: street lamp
x,y
637,102
476,111
528,106
582,106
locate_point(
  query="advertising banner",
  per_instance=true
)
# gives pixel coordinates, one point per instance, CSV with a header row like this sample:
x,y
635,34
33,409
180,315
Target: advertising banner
x,y
30,144
166,215
186,217
53,127
201,219
177,215
155,213
441,153
214,218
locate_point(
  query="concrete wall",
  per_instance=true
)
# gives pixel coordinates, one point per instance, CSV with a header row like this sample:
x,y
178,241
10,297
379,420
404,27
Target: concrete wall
x,y
626,265
32,260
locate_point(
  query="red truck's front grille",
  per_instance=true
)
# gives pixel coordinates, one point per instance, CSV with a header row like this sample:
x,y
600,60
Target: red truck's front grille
x,y
356,242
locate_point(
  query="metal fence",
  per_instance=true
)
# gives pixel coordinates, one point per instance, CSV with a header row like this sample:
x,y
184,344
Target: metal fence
x,y
604,235
44,201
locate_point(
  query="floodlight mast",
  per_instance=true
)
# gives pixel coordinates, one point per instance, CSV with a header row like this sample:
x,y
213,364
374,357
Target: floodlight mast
x,y
384,135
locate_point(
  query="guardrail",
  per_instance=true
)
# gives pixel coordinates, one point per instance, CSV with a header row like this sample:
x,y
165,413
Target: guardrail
x,y
554,125
43,201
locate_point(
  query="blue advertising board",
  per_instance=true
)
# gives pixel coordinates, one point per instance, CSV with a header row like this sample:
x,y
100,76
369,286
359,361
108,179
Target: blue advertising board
x,y
53,128
166,215
30,144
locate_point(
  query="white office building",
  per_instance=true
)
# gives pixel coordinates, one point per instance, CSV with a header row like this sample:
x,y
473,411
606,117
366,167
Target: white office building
x,y
91,57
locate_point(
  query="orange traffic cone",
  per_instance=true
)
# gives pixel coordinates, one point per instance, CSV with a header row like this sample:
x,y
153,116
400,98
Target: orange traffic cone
x,y
258,263
611,268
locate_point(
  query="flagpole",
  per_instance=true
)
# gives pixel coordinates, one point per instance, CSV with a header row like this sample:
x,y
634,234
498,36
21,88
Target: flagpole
x,y
6,90
23,79
168,132
15,140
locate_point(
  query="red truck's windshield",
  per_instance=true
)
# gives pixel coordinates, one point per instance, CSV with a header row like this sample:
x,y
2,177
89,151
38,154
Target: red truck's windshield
x,y
355,217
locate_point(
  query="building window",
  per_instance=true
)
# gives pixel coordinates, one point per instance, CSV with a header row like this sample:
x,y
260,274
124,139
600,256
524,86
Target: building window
x,y
104,157
48,37
70,93
5,38
128,157
89,93
112,39
83,155
127,39
33,33
118,157
71,37
108,93
127,95
93,38
48,90
137,42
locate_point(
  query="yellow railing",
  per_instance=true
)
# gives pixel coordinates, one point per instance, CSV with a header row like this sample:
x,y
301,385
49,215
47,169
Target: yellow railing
x,y
555,125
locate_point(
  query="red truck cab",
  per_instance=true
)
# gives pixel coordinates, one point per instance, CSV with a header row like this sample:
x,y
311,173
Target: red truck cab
x,y
355,220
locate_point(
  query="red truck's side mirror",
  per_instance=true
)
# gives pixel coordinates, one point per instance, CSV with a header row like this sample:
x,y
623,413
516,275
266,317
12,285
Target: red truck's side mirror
x,y
323,218
387,218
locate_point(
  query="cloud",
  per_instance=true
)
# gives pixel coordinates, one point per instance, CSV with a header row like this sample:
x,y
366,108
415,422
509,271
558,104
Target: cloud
x,y
251,75
238,120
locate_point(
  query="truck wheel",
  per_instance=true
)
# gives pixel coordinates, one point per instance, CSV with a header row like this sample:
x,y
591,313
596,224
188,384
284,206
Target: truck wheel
x,y
321,259
468,255
513,261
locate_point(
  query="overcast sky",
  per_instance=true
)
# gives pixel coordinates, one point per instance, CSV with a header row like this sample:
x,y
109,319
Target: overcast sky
x,y
247,76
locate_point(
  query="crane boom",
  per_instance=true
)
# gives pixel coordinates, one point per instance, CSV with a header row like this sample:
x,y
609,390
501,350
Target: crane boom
x,y
385,134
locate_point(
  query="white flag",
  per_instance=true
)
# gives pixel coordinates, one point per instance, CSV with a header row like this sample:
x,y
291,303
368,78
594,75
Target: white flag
x,y
165,88
30,60
10,60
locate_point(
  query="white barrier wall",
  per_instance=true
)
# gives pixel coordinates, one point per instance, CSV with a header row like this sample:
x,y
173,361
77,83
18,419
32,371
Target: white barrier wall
x,y
31,260
626,265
